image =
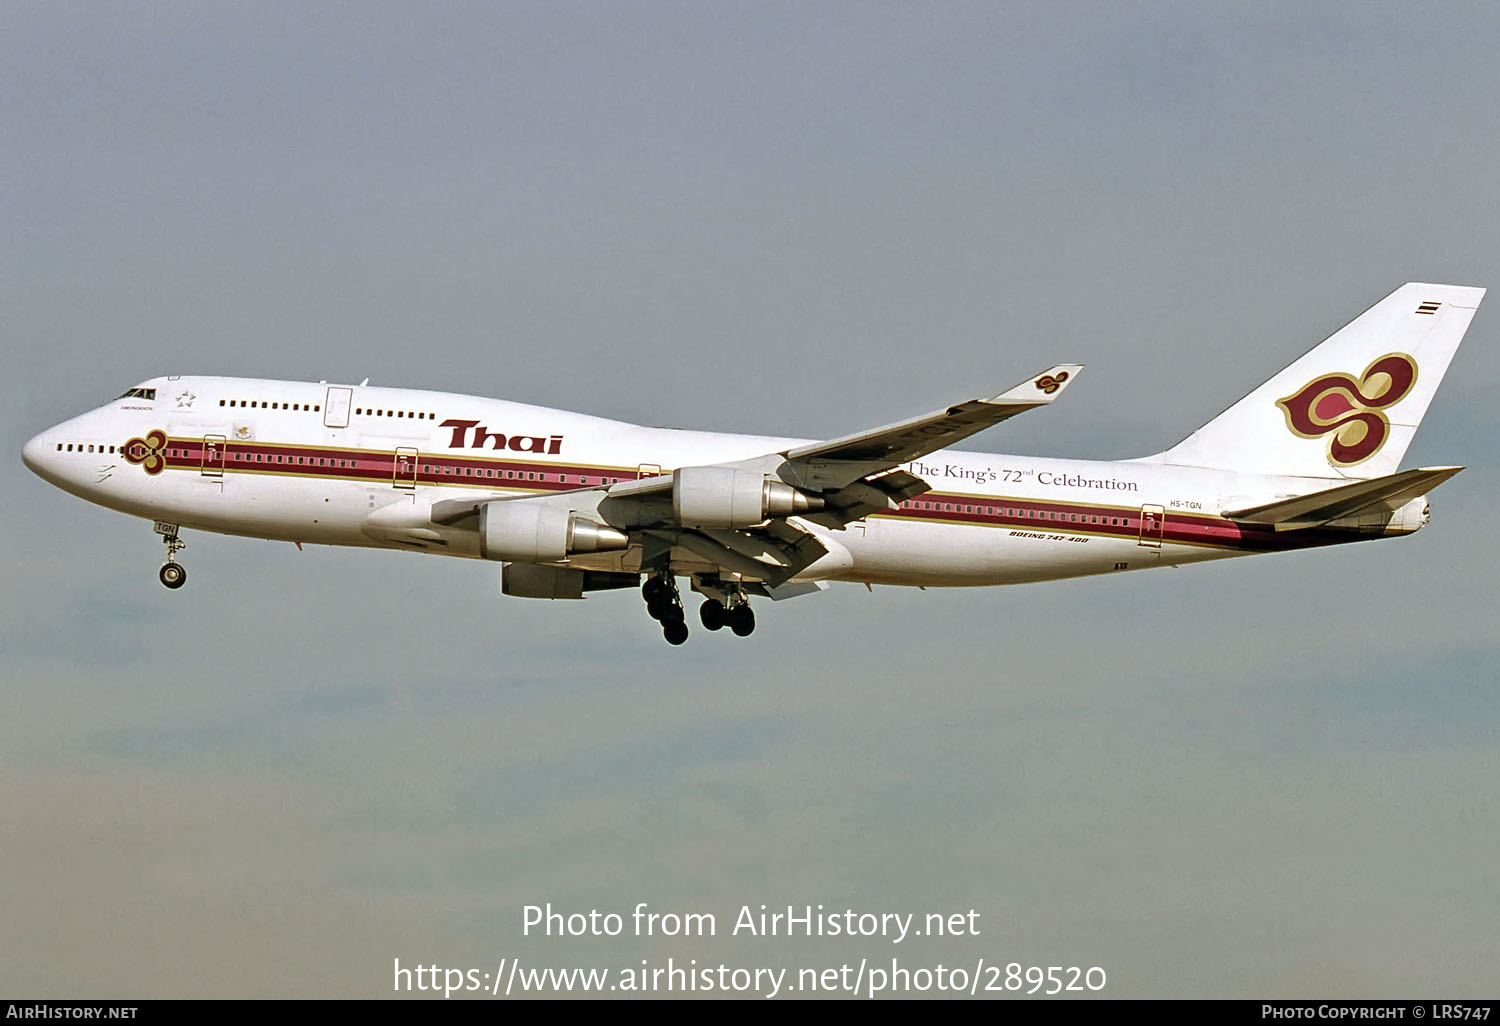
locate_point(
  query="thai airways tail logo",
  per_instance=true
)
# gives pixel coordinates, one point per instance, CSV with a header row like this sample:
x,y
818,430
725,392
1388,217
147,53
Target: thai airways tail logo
x,y
1351,410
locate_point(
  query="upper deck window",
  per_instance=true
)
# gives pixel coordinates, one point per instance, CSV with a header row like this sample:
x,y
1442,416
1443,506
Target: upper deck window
x,y
139,393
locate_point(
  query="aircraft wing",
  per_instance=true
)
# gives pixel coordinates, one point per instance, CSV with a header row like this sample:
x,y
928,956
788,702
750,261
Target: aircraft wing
x,y
845,479
902,442
739,526
860,474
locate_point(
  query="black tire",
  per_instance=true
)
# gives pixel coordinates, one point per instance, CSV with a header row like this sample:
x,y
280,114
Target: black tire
x,y
172,575
656,591
675,632
659,609
742,620
712,614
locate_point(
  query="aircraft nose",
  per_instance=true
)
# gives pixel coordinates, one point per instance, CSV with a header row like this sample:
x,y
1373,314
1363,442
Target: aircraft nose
x,y
32,453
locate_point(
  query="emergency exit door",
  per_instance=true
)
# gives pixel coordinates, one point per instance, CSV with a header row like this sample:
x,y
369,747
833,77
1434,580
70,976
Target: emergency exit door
x,y
336,407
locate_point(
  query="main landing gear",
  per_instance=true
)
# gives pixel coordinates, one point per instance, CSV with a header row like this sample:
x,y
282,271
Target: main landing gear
x,y
664,605
738,617
726,605
172,573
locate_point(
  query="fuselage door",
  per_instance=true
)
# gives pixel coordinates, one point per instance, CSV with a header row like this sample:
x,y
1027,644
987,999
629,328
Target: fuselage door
x,y
1153,523
213,455
648,470
406,469
336,407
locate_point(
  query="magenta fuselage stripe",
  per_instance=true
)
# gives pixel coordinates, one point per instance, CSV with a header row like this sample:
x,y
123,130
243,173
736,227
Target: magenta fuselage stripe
x,y
448,469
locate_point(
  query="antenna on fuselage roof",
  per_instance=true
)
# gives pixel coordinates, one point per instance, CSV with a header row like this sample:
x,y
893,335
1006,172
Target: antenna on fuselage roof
x,y
363,383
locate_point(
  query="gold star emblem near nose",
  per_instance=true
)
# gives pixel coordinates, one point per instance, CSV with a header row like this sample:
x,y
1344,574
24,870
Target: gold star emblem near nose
x,y
185,399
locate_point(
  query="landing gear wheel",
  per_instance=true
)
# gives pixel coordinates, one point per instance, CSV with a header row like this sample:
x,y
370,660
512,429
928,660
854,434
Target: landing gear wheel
x,y
172,575
713,614
664,605
742,620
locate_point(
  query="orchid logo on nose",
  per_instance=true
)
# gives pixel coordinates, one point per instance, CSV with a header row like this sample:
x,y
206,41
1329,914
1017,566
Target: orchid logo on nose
x,y
1351,410
148,452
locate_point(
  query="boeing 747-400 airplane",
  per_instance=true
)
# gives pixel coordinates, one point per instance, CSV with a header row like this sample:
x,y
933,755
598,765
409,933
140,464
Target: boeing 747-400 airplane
x,y
568,503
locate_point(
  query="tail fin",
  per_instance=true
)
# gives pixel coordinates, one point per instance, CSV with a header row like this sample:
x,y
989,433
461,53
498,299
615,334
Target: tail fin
x,y
1350,407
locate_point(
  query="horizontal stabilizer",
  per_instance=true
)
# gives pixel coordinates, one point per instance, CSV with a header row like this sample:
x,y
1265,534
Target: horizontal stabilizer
x,y
1391,492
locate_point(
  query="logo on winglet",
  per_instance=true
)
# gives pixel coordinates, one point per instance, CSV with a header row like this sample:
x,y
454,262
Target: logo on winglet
x,y
1050,383
1350,409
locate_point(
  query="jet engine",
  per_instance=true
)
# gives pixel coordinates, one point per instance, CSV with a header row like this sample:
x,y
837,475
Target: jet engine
x,y
726,497
522,531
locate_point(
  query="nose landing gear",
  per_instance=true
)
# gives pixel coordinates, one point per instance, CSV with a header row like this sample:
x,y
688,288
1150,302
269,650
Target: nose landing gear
x,y
172,573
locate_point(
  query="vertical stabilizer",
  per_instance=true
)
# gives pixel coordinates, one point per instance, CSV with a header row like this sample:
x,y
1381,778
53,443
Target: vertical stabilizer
x,y
1350,407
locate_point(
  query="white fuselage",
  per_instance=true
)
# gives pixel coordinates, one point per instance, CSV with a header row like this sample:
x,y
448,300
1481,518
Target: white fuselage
x,y
316,463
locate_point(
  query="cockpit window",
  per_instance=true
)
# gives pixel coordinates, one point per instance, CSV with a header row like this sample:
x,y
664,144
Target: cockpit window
x,y
139,393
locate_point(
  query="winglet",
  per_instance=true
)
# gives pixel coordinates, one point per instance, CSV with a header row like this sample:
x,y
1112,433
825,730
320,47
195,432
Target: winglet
x,y
1044,387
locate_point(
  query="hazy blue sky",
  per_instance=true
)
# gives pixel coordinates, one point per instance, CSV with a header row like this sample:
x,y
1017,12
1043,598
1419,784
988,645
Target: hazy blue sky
x,y
1262,777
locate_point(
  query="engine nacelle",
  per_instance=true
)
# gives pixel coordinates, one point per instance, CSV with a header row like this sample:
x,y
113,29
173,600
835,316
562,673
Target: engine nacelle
x,y
726,497
523,531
